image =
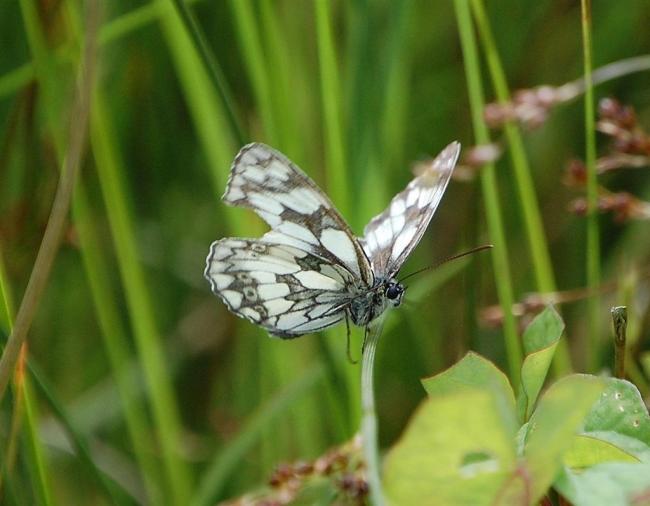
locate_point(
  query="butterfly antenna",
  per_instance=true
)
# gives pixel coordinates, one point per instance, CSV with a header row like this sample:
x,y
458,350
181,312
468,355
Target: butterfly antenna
x,y
449,259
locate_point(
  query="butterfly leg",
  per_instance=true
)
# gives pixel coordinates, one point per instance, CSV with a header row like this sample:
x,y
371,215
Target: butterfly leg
x,y
365,338
347,326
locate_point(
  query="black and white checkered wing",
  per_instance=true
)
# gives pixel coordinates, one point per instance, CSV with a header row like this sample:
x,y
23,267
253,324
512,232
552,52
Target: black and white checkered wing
x,y
390,236
297,211
297,277
285,289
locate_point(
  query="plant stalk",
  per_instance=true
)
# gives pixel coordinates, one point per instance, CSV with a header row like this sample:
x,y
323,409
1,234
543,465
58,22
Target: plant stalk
x,y
489,188
528,202
369,416
593,233
619,318
213,69
59,213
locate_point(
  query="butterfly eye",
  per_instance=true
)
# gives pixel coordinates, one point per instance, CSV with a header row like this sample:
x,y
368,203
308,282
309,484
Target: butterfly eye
x,y
394,290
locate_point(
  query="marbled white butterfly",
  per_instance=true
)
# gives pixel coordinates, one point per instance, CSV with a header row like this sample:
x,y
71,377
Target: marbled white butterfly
x,y
309,271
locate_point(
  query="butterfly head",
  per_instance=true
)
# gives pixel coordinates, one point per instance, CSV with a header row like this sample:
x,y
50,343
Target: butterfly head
x,y
394,291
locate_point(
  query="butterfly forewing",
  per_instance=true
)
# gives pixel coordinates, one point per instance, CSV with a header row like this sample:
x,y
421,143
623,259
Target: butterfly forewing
x,y
285,289
391,236
297,211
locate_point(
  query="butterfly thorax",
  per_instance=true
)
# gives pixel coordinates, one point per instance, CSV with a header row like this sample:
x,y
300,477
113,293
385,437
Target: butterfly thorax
x,y
369,304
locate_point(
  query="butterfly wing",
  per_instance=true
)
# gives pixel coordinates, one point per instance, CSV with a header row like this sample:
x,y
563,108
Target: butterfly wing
x,y
390,236
285,289
298,212
300,276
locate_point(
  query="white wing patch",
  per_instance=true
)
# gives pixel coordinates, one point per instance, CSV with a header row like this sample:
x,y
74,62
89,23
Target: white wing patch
x,y
391,236
342,245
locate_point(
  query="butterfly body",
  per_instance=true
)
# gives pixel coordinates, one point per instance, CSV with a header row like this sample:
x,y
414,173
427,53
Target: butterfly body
x,y
309,271
368,305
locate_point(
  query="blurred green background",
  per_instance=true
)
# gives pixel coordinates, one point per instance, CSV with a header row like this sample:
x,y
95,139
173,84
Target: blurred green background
x,y
174,396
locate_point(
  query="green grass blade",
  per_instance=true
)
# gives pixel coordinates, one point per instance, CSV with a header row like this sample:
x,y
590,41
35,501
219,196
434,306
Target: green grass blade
x,y
12,81
41,479
213,69
5,297
113,334
49,246
112,31
283,81
115,342
77,439
529,206
394,106
593,232
106,305
249,39
205,109
528,202
500,261
355,96
337,177
39,49
40,474
214,479
110,170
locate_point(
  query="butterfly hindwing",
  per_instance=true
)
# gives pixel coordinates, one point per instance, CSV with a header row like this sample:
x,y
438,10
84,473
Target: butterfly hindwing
x,y
297,211
284,289
391,236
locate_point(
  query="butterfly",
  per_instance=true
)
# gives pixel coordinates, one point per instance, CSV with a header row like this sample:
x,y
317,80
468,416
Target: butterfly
x,y
309,271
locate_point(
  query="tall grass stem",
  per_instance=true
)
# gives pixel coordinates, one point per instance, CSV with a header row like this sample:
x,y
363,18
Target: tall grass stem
x,y
37,462
528,203
24,410
337,176
59,213
255,63
147,337
593,233
115,341
331,101
500,261
213,68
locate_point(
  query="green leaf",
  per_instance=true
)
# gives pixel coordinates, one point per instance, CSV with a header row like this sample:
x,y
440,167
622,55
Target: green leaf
x,y
540,340
613,484
588,450
475,372
620,409
457,450
616,429
553,426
